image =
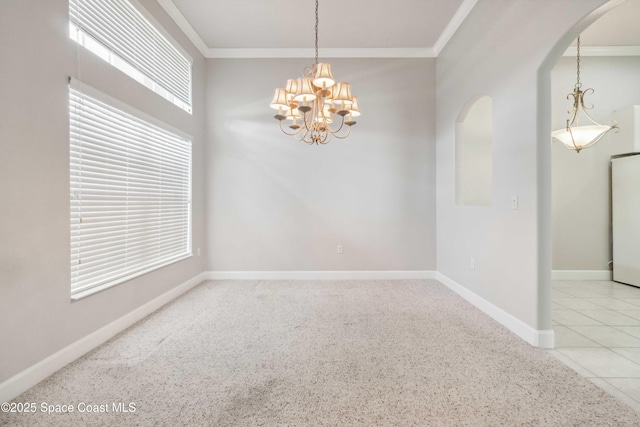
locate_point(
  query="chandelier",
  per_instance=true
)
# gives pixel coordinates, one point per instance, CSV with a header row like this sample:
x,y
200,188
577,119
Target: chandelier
x,y
315,107
574,136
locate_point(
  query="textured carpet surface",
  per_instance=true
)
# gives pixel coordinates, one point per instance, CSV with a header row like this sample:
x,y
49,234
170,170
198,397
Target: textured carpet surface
x,y
315,353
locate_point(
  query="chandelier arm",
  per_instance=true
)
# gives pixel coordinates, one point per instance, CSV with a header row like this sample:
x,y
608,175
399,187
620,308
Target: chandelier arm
x,y
573,116
334,131
598,139
345,135
590,118
326,139
306,137
573,141
580,101
287,133
308,121
309,117
572,112
584,107
308,72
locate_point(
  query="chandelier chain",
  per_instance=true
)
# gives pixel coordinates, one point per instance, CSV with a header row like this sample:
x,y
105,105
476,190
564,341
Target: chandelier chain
x,y
578,84
316,32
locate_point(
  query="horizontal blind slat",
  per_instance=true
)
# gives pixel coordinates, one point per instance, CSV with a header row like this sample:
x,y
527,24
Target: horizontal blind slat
x,y
130,198
121,28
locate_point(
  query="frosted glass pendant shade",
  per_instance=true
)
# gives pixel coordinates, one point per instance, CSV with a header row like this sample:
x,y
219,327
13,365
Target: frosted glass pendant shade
x,y
576,137
579,137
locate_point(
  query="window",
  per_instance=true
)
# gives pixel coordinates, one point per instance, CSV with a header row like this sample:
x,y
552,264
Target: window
x,y
118,33
130,192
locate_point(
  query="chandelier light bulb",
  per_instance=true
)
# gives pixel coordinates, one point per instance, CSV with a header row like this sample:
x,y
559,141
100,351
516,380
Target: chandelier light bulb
x,y
353,109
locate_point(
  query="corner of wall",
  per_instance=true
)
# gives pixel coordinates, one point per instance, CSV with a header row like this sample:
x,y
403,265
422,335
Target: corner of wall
x,y
535,337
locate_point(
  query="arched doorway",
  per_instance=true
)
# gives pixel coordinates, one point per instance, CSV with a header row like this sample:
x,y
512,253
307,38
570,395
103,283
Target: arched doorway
x,y
543,153
603,346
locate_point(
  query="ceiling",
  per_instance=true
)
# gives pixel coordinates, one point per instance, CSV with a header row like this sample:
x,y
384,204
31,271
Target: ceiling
x,y
222,28
358,28
619,27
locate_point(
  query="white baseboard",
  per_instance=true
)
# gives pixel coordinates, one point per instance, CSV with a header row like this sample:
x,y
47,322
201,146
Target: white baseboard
x,y
581,275
321,275
535,337
31,376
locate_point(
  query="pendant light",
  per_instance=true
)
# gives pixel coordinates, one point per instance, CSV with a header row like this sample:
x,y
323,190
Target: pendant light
x,y
574,136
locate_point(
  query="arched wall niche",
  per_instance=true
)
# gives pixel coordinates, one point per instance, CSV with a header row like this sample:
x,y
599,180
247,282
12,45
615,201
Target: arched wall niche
x,y
474,153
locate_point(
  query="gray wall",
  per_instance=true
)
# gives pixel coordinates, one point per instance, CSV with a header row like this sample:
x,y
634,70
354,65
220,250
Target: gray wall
x,y
501,58
581,182
277,204
37,317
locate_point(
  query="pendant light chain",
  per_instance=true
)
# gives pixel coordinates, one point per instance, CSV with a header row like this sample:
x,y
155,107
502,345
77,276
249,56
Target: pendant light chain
x,y
578,84
316,32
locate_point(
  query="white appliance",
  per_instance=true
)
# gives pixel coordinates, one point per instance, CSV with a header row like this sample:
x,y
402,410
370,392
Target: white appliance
x,y
625,217
627,138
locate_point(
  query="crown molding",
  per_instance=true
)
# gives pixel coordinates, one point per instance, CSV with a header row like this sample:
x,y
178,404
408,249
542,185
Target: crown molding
x,y
175,14
453,25
429,52
603,51
451,28
324,53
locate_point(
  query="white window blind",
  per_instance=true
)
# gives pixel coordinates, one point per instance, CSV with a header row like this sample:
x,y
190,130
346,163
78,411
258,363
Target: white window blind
x,y
130,193
122,34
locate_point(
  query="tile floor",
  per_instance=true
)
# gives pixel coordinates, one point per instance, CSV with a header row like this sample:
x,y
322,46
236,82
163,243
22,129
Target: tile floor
x,y
597,330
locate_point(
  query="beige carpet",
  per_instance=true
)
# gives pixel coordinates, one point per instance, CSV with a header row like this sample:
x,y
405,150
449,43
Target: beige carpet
x,y
264,353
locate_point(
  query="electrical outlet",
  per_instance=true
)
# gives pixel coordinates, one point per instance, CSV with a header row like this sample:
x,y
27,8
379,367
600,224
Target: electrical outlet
x,y
339,249
514,202
198,251
472,263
